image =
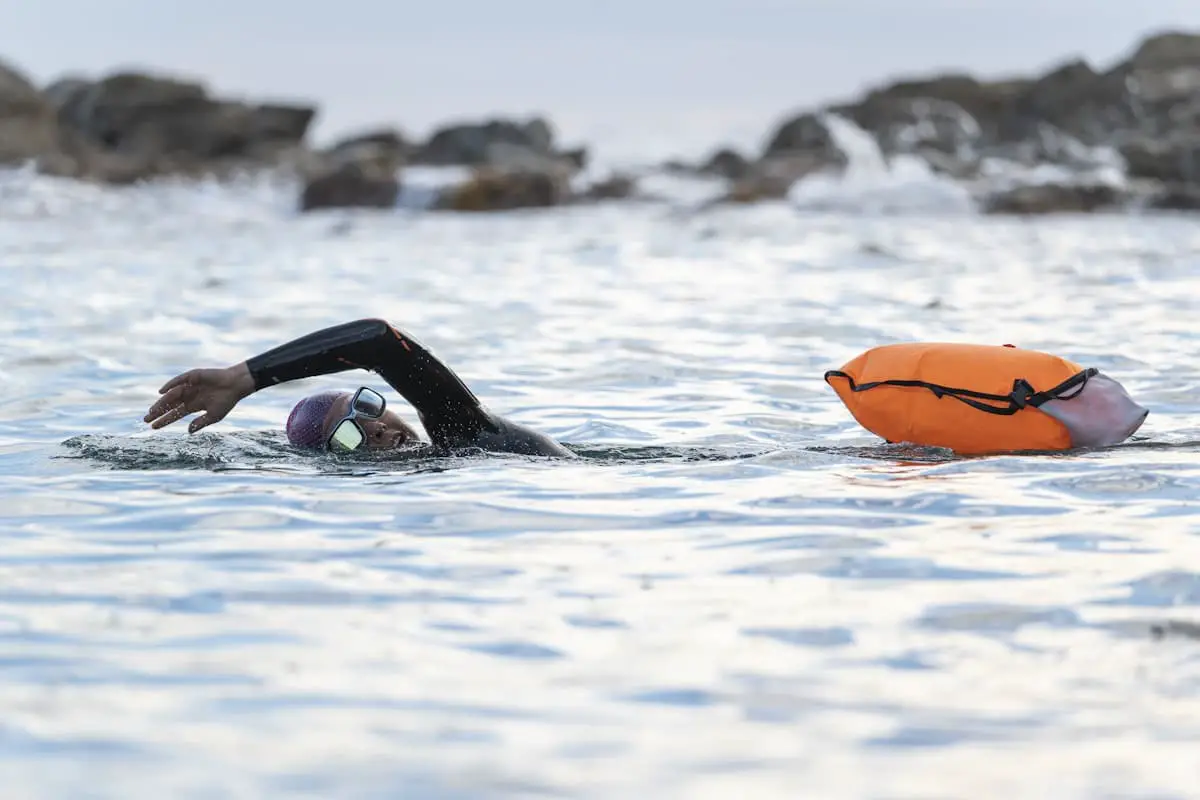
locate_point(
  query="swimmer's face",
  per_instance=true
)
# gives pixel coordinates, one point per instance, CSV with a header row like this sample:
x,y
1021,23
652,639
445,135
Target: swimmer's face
x,y
386,433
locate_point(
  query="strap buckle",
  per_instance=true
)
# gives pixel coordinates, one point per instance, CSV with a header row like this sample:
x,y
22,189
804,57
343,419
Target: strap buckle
x,y
1022,393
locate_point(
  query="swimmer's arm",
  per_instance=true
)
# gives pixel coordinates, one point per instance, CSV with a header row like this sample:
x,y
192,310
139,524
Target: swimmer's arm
x,y
451,414
449,411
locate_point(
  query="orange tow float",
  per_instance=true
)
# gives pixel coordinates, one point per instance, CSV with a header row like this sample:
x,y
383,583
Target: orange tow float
x,y
976,399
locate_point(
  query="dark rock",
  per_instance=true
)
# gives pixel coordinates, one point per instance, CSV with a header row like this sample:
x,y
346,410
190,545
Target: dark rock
x,y
773,178
615,187
473,144
379,152
491,189
110,110
727,163
390,138
804,135
65,90
1072,98
1175,198
1167,50
1052,198
677,166
1174,160
577,158
351,185
170,126
950,96
27,125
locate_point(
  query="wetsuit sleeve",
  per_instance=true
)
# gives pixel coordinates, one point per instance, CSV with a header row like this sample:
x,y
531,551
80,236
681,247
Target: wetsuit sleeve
x,y
449,411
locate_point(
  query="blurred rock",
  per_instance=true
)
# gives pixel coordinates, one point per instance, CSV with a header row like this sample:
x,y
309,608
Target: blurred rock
x,y
492,189
1172,160
1079,118
1052,198
805,136
1175,198
27,125
380,152
351,185
727,163
614,187
131,126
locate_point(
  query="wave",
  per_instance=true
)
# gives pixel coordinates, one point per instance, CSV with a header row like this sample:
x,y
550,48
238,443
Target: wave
x,y
269,451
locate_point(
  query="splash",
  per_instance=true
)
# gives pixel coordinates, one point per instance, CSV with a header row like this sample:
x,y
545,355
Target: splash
x,y
872,183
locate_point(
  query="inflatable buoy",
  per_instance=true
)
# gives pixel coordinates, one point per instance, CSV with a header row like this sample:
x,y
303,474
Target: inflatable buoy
x,y
976,399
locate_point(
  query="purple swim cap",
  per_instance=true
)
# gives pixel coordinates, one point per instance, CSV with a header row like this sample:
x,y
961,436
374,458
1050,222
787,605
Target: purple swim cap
x,y
306,423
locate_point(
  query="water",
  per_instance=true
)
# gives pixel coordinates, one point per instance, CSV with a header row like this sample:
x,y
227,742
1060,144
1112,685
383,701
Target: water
x,y
737,592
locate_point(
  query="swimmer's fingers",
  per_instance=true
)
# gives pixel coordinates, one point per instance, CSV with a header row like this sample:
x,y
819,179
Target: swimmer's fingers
x,y
182,379
203,421
195,390
198,379
175,398
174,415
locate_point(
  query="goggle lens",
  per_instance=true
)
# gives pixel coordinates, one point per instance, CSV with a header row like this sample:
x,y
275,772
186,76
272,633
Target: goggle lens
x,y
347,436
369,403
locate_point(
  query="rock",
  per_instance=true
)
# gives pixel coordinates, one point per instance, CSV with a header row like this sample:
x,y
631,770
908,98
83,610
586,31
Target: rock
x,y
800,146
1175,160
65,90
955,98
952,166
351,185
170,126
772,178
1072,97
1148,106
615,187
1052,198
509,147
938,131
676,166
381,151
27,125
108,111
727,163
1167,50
804,135
576,158
747,192
1175,198
491,189
358,171
472,144
388,139
1154,92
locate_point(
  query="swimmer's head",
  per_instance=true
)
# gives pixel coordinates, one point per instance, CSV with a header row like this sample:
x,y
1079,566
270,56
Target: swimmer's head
x,y
306,423
313,419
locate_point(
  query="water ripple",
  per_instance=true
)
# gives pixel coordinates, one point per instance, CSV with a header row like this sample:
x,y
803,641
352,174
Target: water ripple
x,y
734,591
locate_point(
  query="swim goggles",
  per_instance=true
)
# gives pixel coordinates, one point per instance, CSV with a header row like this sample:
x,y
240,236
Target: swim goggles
x,y
348,435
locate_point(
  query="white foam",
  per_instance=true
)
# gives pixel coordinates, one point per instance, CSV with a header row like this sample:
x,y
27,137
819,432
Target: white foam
x,y
871,183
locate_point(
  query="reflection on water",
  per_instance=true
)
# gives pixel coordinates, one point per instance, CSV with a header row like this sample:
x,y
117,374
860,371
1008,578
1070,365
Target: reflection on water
x,y
734,592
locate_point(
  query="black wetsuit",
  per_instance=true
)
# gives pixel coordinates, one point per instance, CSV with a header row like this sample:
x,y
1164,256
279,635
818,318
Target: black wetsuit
x,y
451,414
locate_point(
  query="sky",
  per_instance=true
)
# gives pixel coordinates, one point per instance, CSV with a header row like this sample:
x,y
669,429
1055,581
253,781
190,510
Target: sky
x,y
654,74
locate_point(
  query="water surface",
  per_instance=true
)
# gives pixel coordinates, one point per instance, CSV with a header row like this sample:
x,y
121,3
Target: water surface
x,y
737,592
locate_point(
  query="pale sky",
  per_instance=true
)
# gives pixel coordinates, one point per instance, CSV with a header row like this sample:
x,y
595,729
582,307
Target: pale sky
x,y
637,70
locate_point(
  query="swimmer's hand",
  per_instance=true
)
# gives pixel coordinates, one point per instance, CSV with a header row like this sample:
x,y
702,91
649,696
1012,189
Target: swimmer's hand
x,y
213,391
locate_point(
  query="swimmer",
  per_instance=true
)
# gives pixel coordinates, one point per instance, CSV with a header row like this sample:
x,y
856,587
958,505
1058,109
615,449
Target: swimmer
x,y
453,417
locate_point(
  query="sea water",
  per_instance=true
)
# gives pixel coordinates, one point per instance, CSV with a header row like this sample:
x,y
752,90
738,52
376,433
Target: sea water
x,y
736,592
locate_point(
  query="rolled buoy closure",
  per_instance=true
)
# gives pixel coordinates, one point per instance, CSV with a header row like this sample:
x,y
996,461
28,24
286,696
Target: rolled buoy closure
x,y
977,399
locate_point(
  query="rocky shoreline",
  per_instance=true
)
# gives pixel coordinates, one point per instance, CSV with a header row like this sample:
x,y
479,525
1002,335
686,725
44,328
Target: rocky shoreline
x,y
1141,116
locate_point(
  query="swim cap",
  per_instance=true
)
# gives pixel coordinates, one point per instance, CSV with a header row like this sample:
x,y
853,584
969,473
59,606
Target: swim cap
x,y
306,423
